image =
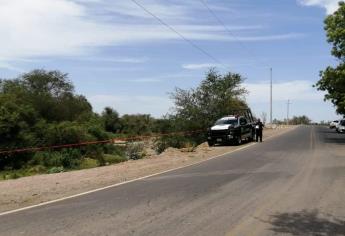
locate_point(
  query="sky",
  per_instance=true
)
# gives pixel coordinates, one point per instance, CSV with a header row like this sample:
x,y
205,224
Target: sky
x,y
118,55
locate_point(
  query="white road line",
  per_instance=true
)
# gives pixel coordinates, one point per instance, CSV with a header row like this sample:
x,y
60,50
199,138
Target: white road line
x,y
129,181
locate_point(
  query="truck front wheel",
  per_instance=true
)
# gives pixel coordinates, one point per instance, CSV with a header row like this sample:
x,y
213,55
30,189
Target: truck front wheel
x,y
210,143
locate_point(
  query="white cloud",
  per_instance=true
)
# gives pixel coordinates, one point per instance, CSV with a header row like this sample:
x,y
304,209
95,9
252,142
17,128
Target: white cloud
x,y
330,5
125,104
268,37
162,78
130,60
173,11
46,27
200,66
8,66
226,65
299,90
43,28
146,80
166,10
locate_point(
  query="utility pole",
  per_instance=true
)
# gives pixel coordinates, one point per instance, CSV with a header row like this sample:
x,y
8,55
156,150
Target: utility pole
x,y
271,81
287,112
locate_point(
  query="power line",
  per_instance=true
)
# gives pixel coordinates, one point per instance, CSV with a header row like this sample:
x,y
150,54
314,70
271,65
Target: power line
x,y
203,2
179,34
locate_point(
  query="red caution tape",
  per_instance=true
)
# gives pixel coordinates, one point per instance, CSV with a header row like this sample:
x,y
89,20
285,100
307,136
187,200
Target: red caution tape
x,y
37,149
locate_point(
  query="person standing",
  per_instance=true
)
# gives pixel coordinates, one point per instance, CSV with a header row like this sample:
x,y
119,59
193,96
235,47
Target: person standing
x,y
258,130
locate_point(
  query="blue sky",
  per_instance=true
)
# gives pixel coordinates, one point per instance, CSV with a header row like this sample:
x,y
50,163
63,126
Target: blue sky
x,y
117,55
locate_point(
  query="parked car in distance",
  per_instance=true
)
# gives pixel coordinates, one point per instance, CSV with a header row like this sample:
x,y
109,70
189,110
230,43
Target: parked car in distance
x,y
333,124
340,128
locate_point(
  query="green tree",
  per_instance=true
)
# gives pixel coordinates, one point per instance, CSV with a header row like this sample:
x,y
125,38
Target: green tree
x,y
163,126
215,97
16,120
40,108
50,93
333,78
140,124
111,120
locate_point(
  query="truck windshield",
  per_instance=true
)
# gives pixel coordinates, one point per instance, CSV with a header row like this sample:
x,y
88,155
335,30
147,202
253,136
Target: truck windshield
x,y
226,122
342,122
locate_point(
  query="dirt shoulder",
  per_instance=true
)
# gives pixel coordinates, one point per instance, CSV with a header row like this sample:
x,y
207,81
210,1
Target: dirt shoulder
x,y
32,190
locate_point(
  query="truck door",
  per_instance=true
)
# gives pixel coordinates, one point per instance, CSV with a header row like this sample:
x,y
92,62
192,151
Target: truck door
x,y
245,129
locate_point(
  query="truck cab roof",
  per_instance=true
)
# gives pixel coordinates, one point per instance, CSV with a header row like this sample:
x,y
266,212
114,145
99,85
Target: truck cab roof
x,y
229,118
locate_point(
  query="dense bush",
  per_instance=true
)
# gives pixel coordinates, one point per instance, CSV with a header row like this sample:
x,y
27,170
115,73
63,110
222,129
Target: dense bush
x,y
67,158
136,124
111,120
40,108
135,151
113,159
174,141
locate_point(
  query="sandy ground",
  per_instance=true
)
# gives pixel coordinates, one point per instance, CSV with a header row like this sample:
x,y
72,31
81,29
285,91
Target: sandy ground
x,y
32,190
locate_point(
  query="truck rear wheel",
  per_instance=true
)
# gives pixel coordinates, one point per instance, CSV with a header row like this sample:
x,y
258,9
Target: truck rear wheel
x,y
210,143
251,138
239,140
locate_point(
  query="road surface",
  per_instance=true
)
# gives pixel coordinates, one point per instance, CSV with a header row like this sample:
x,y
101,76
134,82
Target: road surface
x,y
293,184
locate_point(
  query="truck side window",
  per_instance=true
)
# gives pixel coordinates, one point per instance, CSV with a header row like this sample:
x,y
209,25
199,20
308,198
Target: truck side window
x,y
243,121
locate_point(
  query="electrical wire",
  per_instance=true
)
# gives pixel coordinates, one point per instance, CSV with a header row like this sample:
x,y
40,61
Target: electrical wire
x,y
203,2
179,34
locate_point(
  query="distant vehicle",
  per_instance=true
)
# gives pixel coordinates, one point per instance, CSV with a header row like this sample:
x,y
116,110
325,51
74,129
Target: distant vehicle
x,y
340,128
232,129
333,124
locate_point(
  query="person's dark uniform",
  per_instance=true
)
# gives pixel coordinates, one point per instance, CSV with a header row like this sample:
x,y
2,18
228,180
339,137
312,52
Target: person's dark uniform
x,y
258,130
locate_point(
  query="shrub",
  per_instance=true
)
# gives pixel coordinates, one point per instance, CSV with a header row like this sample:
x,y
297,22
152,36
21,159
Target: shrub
x,y
163,143
66,133
139,124
88,163
135,151
55,169
98,132
189,147
51,159
95,152
114,150
67,158
37,169
71,158
113,159
11,175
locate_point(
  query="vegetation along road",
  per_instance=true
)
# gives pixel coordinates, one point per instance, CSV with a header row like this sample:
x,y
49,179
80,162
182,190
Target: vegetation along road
x,y
293,184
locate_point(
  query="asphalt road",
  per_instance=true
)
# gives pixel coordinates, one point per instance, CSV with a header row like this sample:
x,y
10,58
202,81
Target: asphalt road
x,y
293,184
